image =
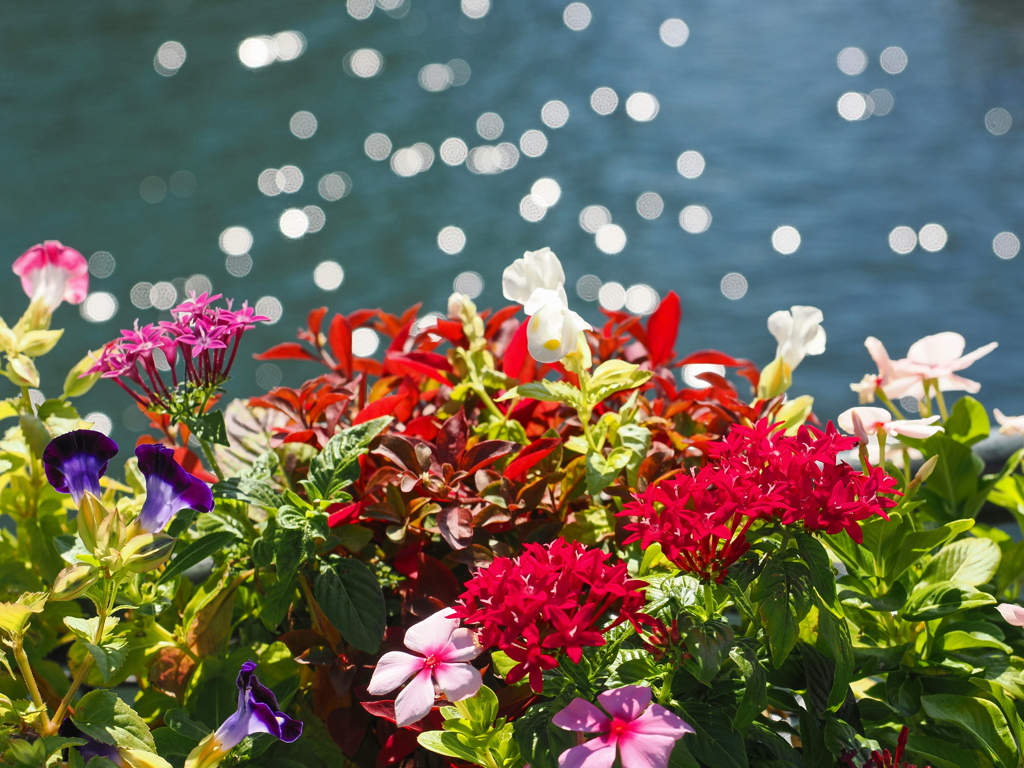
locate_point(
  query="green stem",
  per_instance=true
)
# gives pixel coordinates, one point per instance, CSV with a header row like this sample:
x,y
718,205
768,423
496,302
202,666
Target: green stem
x,y
211,458
585,421
488,402
888,404
665,693
30,682
940,400
709,602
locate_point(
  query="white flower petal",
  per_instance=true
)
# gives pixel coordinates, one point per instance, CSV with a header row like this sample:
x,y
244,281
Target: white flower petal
x,y
393,669
431,635
458,681
537,269
415,701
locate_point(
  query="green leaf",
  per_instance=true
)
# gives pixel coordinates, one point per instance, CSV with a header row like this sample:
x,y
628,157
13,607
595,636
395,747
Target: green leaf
x,y
276,602
549,392
602,471
709,642
481,708
713,742
447,743
970,561
101,715
172,744
918,543
196,552
755,682
968,421
351,598
540,741
834,641
942,599
337,465
209,427
823,576
939,753
179,722
783,600
958,640
614,376
86,628
979,718
109,657
955,477
256,492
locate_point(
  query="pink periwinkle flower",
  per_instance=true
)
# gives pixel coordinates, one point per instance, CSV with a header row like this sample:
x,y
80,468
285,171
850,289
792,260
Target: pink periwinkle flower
x,y
866,422
1009,425
1012,614
206,336
52,273
642,733
445,651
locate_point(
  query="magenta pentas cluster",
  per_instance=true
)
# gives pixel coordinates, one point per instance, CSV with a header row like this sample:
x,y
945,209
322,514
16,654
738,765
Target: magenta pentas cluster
x,y
561,597
199,344
756,474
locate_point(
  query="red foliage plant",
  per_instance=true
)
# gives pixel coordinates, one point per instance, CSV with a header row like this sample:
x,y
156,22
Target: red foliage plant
x,y
549,599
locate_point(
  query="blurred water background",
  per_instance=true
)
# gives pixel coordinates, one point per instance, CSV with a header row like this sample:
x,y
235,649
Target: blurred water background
x,y
861,156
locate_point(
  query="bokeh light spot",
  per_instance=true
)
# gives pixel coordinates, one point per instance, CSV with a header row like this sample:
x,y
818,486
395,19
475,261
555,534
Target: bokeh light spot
x,y
642,107
588,287
650,205
690,164
852,61
853,106
577,16
604,100
641,299
328,275
169,58
786,239
293,223
674,32
153,189
932,237
234,241
100,422
238,266
101,264
554,114
691,374
271,307
302,125
903,240
140,295
593,217
695,219
98,307
334,186
734,286
533,143
268,375
377,146
893,60
545,192
490,125
612,296
364,342
436,78
469,283
476,9
451,240
998,121
453,151
610,239
163,295
1006,245
363,62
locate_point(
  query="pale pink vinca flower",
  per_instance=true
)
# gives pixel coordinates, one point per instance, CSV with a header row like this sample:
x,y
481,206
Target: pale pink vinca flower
x,y
51,273
1009,425
445,651
865,422
642,733
799,333
1012,614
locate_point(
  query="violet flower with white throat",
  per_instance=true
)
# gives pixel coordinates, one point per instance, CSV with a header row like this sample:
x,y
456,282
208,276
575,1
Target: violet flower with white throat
x,y
445,652
537,281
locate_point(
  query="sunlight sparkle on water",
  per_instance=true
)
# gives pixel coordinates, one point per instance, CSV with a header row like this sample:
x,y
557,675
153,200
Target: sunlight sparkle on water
x,y
328,275
674,32
786,239
903,240
610,239
451,240
101,264
577,16
604,100
1006,245
734,286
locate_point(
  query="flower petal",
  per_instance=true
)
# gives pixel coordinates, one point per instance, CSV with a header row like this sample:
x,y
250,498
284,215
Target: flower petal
x,y
980,352
169,488
537,269
658,721
596,753
462,646
416,699
430,636
551,333
938,349
582,716
863,421
642,751
918,428
393,669
75,461
458,681
627,702
1012,614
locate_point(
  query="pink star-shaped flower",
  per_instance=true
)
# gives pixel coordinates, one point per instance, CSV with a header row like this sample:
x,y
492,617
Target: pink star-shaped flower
x,y
642,733
445,651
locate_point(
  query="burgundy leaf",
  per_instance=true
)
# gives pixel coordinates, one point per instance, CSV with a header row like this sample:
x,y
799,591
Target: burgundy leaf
x,y
451,440
485,453
456,524
530,456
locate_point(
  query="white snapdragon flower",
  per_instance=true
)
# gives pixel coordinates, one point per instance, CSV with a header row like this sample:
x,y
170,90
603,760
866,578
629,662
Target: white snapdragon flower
x,y
537,281
798,332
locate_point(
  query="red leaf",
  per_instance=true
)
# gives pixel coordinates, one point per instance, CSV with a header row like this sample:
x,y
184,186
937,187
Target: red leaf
x,y
344,513
530,456
517,354
389,405
360,316
429,364
315,320
289,350
451,441
456,525
662,329
447,329
340,339
713,357
302,436
495,321
191,463
486,453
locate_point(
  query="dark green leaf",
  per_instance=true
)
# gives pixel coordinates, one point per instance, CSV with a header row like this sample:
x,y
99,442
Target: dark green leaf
x,y
196,552
255,492
942,599
941,754
179,722
970,561
539,740
834,641
755,694
979,718
823,577
713,742
783,600
172,744
708,642
351,598
918,543
276,603
209,427
337,465
968,421
893,600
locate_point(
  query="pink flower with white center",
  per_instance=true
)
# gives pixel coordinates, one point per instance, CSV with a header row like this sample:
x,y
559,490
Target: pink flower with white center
x,y
939,357
1013,614
445,652
1009,425
642,733
52,273
893,382
865,422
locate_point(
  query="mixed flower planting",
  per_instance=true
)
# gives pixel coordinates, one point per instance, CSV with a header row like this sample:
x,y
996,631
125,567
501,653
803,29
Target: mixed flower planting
x,y
513,540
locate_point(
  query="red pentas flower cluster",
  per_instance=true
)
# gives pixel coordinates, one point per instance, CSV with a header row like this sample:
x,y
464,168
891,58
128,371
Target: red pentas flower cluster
x,y
203,337
885,758
756,474
549,599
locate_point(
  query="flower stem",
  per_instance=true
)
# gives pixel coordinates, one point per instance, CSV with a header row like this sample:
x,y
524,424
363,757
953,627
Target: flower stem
x,y
665,693
941,401
30,682
211,458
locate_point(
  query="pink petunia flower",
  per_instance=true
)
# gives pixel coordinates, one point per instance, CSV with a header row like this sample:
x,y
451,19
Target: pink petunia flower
x,y
445,652
866,421
52,273
1012,614
642,733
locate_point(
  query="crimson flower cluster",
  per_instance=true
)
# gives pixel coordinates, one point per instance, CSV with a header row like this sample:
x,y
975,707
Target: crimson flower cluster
x,y
757,473
202,337
885,758
549,599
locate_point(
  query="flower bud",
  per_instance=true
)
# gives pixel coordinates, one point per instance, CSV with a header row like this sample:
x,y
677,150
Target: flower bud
x,y
111,533
775,379
91,513
78,380
147,551
37,343
22,371
794,413
73,581
8,341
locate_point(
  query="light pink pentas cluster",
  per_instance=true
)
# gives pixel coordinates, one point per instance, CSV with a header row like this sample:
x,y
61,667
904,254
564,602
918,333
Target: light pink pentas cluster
x,y
202,338
937,358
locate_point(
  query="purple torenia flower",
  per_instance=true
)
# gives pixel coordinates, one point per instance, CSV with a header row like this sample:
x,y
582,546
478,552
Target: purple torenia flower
x,y
169,488
642,733
257,713
75,461
445,652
